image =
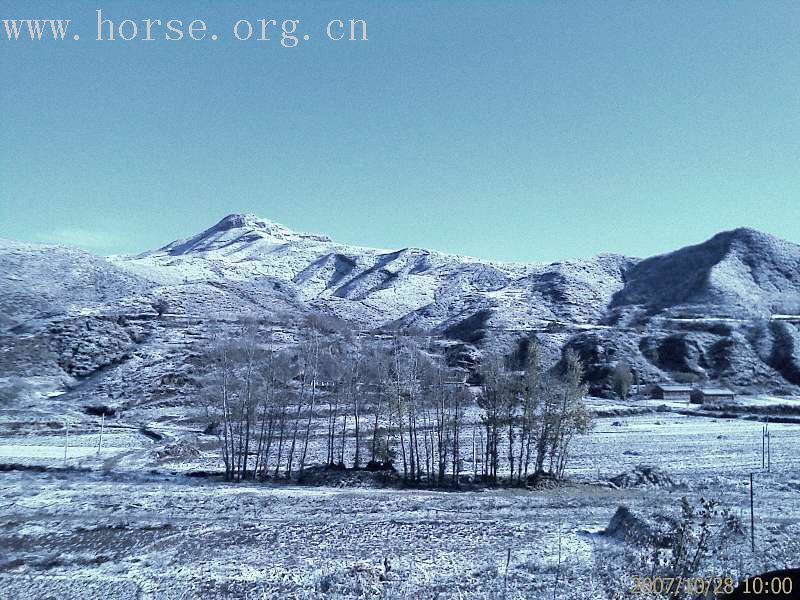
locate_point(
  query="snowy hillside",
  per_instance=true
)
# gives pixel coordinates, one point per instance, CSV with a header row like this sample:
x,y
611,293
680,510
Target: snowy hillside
x,y
699,313
735,272
39,281
375,287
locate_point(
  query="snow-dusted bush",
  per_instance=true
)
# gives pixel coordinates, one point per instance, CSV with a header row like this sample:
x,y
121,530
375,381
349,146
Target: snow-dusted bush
x,y
704,541
14,388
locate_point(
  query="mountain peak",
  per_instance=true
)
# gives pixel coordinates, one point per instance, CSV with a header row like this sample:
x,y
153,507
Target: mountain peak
x,y
251,222
239,232
247,221
744,234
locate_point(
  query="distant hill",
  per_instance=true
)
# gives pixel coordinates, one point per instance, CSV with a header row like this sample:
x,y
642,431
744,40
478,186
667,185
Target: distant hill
x,y
736,272
39,281
724,310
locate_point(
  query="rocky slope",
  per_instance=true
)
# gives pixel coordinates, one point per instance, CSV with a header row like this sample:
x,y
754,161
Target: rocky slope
x,y
735,273
724,310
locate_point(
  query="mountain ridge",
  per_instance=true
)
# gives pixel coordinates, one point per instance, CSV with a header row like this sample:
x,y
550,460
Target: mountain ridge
x,y
697,313
246,247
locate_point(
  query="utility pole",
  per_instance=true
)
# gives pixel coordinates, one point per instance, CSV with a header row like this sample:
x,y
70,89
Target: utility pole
x,y
558,568
752,518
102,426
505,576
769,453
66,439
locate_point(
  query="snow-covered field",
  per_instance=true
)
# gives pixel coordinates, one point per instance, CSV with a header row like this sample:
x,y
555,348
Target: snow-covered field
x,y
135,527
81,336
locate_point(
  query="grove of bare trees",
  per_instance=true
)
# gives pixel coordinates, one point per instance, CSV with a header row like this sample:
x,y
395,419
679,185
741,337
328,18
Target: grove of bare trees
x,y
386,401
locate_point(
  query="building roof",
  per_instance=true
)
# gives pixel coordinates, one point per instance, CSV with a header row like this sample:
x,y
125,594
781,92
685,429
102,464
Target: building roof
x,y
718,392
674,388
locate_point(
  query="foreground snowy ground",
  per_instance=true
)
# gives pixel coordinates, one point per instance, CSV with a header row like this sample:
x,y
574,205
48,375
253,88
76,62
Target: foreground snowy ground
x,y
136,527
188,540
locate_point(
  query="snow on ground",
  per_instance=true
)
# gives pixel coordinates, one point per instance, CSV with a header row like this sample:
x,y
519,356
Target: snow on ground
x,y
768,401
137,530
33,451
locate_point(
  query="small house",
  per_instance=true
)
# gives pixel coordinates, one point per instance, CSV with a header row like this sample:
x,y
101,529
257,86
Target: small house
x,y
664,391
717,395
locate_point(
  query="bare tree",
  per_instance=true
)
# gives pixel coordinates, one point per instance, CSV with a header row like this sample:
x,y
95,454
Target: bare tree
x,y
622,378
274,375
232,391
532,393
331,374
376,379
461,399
310,352
353,369
492,400
573,416
546,421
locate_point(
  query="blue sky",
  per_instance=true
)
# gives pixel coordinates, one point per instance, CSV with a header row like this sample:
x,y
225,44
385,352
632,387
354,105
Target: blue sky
x,y
527,131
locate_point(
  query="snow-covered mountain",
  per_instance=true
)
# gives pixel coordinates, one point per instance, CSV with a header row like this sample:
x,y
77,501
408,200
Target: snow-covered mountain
x,y
739,271
375,287
724,310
